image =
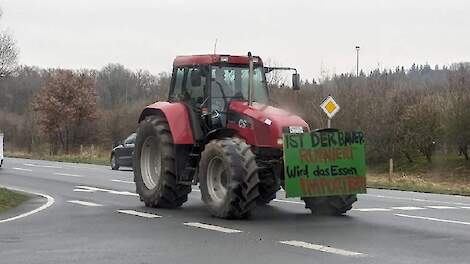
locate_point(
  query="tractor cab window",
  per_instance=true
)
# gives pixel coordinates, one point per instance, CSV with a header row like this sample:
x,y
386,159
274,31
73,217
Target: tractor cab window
x,y
177,91
231,82
195,92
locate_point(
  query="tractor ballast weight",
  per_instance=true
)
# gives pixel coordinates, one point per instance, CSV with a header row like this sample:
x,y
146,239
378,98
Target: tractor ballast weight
x,y
218,129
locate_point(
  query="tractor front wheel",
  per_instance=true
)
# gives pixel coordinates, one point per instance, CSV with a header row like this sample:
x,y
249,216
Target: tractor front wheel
x,y
228,178
330,205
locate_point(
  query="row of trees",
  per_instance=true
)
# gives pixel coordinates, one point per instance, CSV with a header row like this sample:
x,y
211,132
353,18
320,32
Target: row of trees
x,y
65,109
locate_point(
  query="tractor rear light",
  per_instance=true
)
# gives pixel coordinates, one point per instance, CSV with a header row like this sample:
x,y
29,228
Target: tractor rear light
x,y
280,141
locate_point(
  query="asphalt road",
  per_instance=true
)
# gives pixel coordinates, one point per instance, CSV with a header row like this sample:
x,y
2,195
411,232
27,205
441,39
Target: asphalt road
x,y
96,217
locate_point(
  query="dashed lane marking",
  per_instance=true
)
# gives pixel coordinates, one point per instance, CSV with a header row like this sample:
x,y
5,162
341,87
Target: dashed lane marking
x,y
407,208
95,189
322,248
84,203
414,199
372,209
287,201
42,166
213,227
83,190
434,219
21,169
136,213
68,175
130,182
441,207
49,202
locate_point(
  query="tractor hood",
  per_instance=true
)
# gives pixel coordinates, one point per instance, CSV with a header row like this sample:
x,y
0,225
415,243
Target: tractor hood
x,y
262,125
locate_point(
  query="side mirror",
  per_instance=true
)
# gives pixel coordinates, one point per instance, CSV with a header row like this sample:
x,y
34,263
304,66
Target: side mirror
x,y
196,78
295,81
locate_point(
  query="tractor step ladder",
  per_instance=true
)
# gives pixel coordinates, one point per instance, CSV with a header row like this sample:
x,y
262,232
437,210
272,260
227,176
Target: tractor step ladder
x,y
187,176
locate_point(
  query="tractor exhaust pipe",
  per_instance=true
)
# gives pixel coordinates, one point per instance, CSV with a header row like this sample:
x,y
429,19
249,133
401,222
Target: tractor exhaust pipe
x,y
250,79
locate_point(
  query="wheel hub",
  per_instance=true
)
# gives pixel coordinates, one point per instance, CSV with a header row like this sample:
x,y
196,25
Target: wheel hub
x,y
151,163
217,179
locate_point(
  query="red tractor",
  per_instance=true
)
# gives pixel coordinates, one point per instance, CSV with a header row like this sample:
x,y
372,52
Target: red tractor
x,y
217,129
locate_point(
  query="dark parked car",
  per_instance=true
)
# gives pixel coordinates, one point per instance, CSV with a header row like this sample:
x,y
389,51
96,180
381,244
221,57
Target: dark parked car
x,y
121,155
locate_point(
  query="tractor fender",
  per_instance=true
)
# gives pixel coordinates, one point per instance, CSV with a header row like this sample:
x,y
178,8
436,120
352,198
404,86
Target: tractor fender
x,y
178,119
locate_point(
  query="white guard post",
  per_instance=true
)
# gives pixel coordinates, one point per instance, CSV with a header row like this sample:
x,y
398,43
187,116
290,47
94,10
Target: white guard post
x,y
1,149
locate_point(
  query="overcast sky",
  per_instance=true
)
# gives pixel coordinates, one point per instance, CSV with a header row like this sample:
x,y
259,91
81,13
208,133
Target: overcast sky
x,y
310,35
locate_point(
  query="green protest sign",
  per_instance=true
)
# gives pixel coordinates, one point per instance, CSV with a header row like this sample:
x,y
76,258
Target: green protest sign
x,y
324,163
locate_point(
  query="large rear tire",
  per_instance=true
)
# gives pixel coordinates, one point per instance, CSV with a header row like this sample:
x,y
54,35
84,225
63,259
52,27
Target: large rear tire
x,y
330,205
229,178
154,165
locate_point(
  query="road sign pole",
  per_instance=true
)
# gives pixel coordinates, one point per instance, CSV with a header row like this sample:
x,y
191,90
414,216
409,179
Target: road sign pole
x,y
329,123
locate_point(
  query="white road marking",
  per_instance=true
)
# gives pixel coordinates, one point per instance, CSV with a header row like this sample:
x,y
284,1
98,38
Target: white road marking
x,y
213,227
68,175
95,189
465,207
130,182
21,169
141,214
441,207
287,201
434,219
84,203
407,208
322,248
49,202
372,209
414,199
82,190
42,166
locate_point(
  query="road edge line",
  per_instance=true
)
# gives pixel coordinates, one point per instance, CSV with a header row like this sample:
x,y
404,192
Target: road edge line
x,y
50,201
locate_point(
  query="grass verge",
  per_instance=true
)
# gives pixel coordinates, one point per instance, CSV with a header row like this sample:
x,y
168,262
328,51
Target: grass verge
x,y
9,199
417,184
449,174
73,158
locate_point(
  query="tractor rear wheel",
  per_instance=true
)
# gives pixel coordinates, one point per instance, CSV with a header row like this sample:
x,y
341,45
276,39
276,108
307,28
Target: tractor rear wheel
x,y
330,205
228,178
154,165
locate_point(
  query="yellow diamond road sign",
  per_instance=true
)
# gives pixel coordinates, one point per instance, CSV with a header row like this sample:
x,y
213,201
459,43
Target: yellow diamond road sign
x,y
330,107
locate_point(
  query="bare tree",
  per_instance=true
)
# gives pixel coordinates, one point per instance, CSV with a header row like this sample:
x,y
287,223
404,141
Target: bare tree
x,y
8,53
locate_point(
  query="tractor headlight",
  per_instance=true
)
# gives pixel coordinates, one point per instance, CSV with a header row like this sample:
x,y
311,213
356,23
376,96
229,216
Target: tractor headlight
x,y
280,141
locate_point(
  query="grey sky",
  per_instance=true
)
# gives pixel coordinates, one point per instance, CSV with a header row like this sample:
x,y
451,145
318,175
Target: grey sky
x,y
312,35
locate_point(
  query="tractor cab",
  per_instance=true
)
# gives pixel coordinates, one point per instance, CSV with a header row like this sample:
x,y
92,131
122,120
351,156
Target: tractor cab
x,y
208,84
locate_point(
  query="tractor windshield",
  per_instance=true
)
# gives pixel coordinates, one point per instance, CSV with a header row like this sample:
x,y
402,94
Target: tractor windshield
x,y
232,82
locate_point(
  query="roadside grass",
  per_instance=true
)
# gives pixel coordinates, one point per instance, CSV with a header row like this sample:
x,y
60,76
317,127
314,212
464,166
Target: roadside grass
x,y
9,199
447,174
98,159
